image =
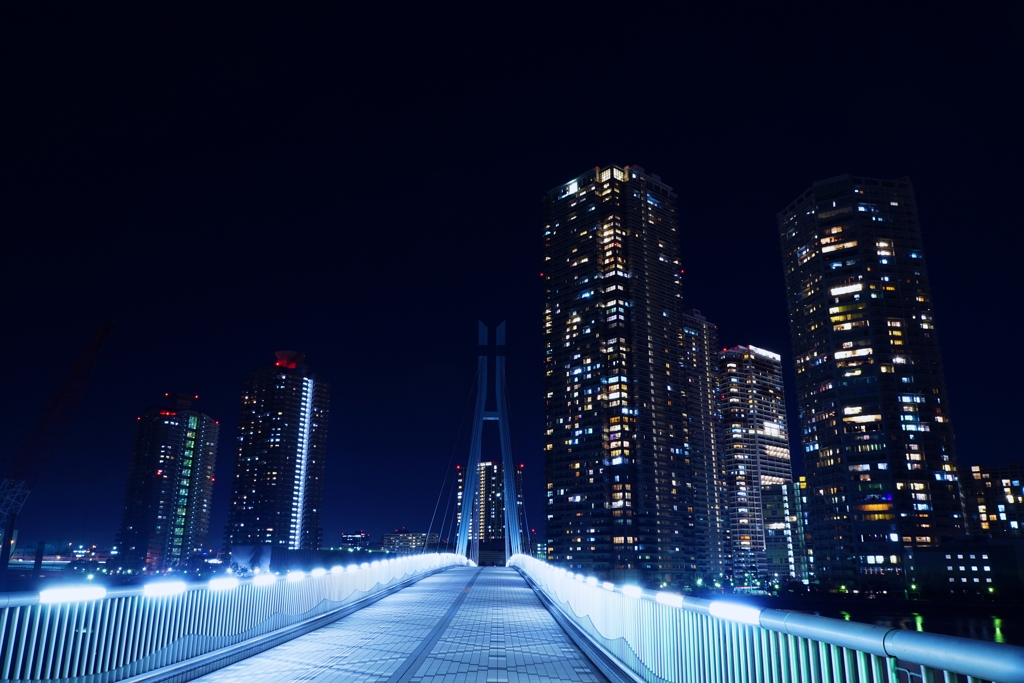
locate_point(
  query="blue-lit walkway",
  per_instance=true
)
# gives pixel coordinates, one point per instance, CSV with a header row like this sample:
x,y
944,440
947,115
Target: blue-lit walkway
x,y
465,624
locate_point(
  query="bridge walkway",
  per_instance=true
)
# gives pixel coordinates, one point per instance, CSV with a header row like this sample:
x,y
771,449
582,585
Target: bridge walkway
x,y
478,625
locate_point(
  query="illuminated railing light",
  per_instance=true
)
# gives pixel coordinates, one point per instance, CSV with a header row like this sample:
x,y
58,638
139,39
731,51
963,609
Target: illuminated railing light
x,y
632,591
337,569
733,611
319,571
163,588
578,577
76,594
591,581
264,580
608,586
223,583
296,575
375,563
670,599
364,565
353,567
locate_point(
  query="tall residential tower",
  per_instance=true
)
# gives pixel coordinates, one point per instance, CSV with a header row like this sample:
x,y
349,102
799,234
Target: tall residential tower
x,y
759,473
488,527
617,473
166,515
278,479
879,453
702,424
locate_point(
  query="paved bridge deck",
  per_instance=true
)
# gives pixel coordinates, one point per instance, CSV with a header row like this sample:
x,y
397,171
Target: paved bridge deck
x,y
466,624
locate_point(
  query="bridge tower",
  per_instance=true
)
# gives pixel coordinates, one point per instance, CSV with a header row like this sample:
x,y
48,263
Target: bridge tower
x,y
471,493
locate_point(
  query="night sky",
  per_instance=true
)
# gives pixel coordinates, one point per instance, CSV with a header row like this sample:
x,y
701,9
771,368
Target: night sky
x,y
364,184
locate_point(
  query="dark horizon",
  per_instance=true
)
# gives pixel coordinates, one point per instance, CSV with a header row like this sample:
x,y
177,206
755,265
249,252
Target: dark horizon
x,y
365,187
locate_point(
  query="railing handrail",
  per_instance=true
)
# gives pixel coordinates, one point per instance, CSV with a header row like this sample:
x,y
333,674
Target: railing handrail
x,y
86,633
29,598
976,658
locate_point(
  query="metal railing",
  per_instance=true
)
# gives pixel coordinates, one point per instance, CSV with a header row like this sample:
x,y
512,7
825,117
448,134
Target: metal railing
x,y
665,637
87,633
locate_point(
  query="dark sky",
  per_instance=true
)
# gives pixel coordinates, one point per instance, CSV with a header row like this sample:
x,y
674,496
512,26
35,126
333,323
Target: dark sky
x,y
364,184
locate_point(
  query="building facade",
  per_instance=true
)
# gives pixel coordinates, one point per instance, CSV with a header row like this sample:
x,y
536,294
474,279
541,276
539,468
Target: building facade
x,y
166,515
968,567
277,489
409,542
759,473
618,505
877,436
488,527
994,498
702,436
803,550
359,540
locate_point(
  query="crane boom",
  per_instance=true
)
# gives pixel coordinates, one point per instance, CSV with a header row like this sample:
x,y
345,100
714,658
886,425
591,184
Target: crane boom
x,y
22,468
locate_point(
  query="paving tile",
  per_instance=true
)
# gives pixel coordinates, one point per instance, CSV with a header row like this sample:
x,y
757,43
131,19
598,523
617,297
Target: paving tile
x,y
501,633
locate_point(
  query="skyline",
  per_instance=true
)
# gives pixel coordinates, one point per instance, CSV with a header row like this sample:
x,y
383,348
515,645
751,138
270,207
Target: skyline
x,y
129,217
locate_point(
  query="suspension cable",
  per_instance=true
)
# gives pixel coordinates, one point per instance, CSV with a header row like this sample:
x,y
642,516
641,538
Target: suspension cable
x,y
512,438
451,458
444,517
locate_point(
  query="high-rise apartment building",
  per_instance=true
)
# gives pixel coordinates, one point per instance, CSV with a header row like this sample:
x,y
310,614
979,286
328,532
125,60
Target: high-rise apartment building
x,y
803,553
488,527
278,480
994,498
489,516
879,452
618,503
166,515
701,424
759,473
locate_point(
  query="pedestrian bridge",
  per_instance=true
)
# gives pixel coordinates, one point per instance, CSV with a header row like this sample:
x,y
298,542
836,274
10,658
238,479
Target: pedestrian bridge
x,y
434,618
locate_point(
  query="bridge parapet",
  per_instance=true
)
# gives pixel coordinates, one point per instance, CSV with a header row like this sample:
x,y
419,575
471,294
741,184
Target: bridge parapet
x,y
669,638
177,630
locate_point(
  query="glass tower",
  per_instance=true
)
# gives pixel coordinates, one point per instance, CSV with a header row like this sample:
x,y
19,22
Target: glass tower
x,y
278,479
878,442
618,505
166,515
759,473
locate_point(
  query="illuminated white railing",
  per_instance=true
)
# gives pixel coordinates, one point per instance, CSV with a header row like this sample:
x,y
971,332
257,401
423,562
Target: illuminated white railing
x,y
91,634
664,637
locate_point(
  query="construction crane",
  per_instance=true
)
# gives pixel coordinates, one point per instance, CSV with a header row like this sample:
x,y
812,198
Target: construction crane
x,y
22,468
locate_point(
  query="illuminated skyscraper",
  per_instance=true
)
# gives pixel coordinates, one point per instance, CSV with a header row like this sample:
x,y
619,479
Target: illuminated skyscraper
x,y
617,473
278,479
702,422
166,513
488,525
759,474
879,453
